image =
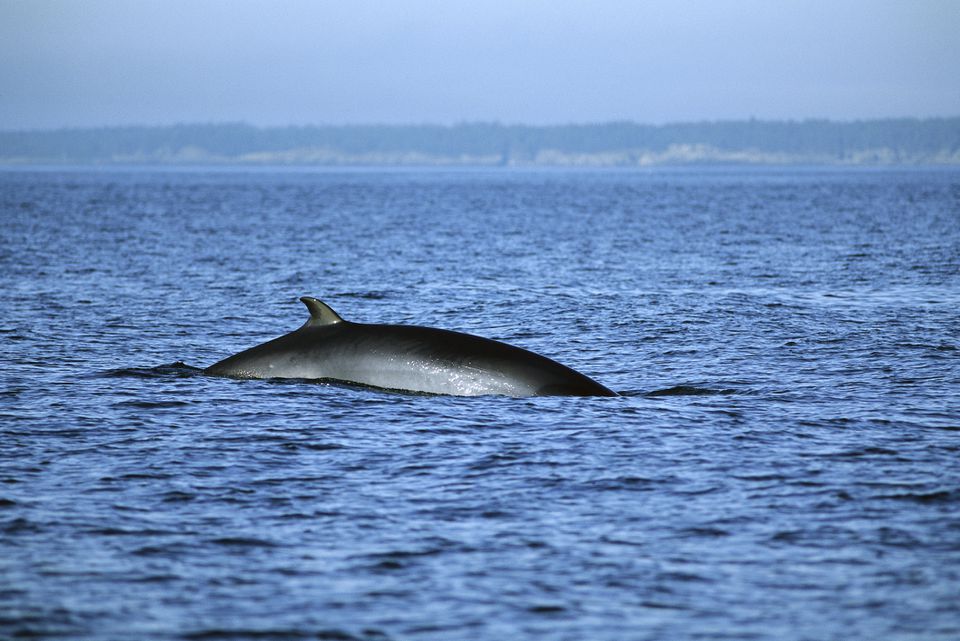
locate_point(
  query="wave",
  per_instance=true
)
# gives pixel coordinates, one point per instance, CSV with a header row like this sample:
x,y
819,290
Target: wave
x,y
178,369
689,390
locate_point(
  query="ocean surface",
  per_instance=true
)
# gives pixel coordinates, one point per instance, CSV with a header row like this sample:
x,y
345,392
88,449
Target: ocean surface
x,y
783,463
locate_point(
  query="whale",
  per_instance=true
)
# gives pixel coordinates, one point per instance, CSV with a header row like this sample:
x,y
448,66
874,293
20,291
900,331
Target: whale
x,y
404,358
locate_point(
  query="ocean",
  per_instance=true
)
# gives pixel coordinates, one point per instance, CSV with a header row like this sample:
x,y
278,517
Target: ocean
x,y
783,461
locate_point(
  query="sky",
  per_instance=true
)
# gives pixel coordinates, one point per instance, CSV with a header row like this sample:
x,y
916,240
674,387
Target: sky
x,y
73,63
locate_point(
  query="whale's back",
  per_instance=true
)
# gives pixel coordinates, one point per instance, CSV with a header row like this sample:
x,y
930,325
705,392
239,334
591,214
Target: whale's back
x,y
406,357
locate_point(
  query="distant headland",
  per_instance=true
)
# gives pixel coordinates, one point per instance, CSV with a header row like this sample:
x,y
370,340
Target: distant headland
x,y
901,141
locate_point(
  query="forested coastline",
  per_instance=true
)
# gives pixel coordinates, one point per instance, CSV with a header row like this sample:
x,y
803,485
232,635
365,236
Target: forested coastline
x,y
870,142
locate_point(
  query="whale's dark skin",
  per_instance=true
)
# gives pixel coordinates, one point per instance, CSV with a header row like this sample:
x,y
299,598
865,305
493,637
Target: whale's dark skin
x,y
406,358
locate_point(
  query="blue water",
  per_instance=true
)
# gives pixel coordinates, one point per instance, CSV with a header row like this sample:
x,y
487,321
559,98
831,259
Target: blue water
x,y
784,462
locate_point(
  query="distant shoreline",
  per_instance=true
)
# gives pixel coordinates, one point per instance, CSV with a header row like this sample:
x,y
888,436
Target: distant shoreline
x,y
891,142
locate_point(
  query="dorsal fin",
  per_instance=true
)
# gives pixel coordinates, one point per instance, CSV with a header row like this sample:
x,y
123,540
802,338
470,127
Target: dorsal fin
x,y
320,312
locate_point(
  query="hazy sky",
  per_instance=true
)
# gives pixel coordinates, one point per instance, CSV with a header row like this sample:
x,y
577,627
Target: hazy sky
x,y
101,62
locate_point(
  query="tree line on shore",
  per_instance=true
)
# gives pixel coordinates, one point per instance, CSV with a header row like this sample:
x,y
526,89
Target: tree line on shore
x,y
893,140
